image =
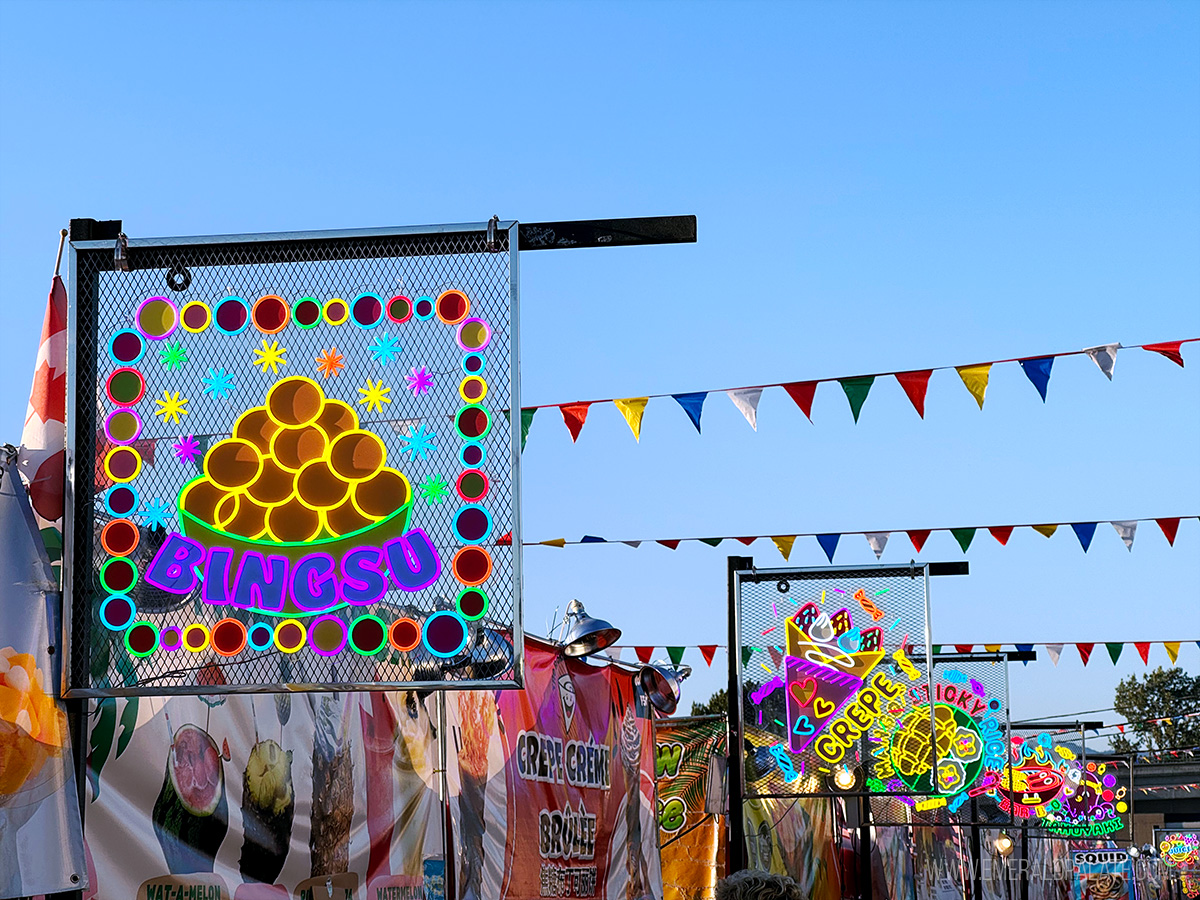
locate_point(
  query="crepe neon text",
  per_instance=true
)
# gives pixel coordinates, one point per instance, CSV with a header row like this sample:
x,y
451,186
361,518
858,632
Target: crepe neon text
x,y
313,583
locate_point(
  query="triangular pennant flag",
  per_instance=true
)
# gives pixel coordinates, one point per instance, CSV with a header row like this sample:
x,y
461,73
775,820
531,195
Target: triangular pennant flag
x,y
1114,651
693,405
918,538
1120,727
574,415
676,654
915,384
592,539
746,400
1172,650
856,391
633,544
937,648
877,540
747,652
992,648
1001,533
976,380
1170,527
784,543
1085,531
712,542
1055,651
1126,530
828,543
964,536
670,544
802,392
1024,648
614,653
1045,530
1143,649
1105,356
964,648
708,651
1038,371
747,540
776,656
632,409
554,542
644,654
526,423
505,540
1085,651
1169,349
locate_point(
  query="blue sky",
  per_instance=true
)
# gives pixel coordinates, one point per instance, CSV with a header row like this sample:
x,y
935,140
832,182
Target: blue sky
x,y
878,186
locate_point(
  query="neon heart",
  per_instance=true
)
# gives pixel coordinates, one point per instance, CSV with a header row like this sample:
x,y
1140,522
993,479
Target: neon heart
x,y
822,707
803,727
803,691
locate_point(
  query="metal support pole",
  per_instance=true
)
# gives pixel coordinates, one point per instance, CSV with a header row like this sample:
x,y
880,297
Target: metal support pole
x,y
864,848
976,854
736,770
1024,870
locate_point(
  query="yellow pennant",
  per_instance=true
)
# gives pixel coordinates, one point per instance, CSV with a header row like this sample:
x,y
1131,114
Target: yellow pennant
x,y
976,380
784,543
632,408
992,648
1046,530
1172,650
554,542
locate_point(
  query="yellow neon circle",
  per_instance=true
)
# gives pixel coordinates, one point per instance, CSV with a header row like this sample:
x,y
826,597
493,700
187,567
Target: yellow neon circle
x,y
472,379
108,459
223,460
294,402
194,304
196,626
280,627
329,318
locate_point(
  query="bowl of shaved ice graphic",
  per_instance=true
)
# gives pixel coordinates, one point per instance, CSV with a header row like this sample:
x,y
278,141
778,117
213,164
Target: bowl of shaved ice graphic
x,y
298,476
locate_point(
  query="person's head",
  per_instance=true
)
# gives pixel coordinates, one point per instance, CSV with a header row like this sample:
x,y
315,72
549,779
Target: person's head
x,y
751,884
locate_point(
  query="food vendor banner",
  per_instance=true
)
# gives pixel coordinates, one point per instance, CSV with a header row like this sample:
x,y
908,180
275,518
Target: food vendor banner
x,y
265,797
293,466
1100,875
552,786
689,835
794,836
1179,850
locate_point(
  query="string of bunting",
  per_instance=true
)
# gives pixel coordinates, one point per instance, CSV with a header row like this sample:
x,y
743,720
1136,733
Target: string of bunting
x,y
914,382
676,653
1126,529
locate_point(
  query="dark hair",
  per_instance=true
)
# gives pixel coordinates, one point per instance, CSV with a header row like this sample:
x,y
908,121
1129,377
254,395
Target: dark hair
x,y
752,884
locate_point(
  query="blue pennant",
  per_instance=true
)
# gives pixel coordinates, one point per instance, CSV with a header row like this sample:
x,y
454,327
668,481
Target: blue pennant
x,y
1038,371
1085,531
828,543
592,539
693,405
1025,648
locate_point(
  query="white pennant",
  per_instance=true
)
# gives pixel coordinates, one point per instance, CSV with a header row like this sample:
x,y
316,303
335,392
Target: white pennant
x,y
614,653
878,540
1105,356
633,544
746,400
1126,530
1055,651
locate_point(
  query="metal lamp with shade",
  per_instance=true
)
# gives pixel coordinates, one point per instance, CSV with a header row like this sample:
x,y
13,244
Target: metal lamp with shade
x,y
661,682
586,635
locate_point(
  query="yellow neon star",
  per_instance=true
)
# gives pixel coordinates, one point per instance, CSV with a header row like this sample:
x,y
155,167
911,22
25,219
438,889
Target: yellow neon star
x,y
171,407
374,395
270,357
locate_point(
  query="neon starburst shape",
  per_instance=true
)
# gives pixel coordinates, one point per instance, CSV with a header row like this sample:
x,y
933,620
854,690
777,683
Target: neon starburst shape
x,y
330,363
434,489
171,406
384,350
419,381
419,442
187,449
270,356
219,383
374,395
156,514
173,356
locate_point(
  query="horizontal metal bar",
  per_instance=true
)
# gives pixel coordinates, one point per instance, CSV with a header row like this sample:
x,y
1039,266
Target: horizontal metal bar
x,y
1035,723
962,567
584,233
155,690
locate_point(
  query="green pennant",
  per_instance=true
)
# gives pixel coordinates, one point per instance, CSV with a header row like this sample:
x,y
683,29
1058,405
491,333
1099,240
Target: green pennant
x,y
676,654
937,648
856,391
1114,651
964,536
747,652
712,542
526,421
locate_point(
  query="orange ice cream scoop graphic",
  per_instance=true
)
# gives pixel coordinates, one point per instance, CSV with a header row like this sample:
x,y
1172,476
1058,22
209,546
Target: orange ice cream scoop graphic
x,y
32,727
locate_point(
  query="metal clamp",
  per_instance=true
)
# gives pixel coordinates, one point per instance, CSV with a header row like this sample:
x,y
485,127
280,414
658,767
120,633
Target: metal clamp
x,y
492,245
121,253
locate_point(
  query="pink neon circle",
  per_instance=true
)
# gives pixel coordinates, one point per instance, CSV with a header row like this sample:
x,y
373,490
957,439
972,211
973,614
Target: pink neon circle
x,y
122,411
137,318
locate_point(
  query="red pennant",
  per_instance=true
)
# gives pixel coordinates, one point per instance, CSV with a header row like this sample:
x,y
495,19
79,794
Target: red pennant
x,y
671,544
1121,728
964,648
776,656
1143,651
1085,651
1170,527
574,415
1169,349
505,540
919,538
1001,533
748,540
644,654
914,384
708,651
802,392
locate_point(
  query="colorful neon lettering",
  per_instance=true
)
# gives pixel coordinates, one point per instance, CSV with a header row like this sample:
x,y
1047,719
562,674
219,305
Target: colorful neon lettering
x,y
171,568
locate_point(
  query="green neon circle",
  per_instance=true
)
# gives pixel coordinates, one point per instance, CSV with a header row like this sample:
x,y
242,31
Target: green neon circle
x,y
104,572
486,603
153,643
383,630
476,437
